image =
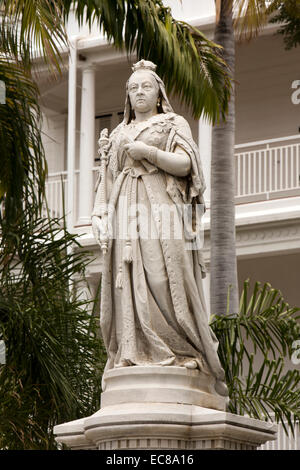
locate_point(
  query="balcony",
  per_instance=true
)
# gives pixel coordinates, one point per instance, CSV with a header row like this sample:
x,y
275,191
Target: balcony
x,y
268,169
265,170
57,193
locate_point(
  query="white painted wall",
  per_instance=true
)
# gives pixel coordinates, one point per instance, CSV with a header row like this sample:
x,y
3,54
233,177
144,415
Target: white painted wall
x,y
264,75
282,272
190,9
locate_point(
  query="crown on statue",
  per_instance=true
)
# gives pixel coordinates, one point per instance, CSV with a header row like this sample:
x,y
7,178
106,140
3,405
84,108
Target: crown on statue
x,y
144,65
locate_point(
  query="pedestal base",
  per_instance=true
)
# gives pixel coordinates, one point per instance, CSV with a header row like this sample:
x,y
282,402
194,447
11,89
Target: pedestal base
x,y
163,408
157,384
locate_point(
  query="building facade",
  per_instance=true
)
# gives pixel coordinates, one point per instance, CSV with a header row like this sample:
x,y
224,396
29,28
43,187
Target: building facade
x,y
90,96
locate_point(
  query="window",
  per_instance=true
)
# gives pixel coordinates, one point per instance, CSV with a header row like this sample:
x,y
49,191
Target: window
x,y
108,121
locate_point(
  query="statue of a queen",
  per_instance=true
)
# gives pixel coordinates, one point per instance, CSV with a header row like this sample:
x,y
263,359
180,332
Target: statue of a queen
x,y
152,303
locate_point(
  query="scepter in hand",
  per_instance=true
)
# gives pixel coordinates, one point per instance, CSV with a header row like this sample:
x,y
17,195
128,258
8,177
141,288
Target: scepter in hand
x,y
103,154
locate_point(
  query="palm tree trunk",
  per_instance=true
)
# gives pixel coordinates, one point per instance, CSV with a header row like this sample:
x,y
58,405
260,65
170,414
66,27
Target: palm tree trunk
x,y
224,284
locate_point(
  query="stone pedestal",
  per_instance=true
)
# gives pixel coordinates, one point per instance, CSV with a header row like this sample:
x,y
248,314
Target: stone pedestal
x,y
157,384
163,408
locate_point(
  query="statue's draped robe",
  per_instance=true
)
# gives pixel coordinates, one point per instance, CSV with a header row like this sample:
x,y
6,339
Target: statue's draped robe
x,y
157,315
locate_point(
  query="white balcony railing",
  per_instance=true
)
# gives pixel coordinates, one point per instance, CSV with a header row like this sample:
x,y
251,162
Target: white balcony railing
x,y
57,193
264,169
268,168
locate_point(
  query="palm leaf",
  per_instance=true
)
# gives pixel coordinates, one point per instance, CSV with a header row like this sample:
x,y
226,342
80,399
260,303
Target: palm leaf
x,y
54,355
250,17
268,393
288,17
31,30
28,30
23,165
252,346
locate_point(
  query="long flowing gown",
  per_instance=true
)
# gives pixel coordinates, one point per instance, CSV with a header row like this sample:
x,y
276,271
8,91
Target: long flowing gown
x,y
152,308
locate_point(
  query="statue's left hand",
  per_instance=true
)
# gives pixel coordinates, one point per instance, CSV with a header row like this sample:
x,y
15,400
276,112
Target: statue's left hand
x,y
137,150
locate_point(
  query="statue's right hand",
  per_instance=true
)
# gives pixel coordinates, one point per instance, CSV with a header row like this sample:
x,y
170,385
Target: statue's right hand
x,y
100,230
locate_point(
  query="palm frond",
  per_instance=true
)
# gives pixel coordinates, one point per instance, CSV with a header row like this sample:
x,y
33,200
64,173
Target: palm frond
x,y
54,355
253,349
250,17
268,393
27,30
288,17
23,166
32,29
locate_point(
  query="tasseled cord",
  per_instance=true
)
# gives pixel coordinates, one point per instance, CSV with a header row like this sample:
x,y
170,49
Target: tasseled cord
x,y
127,250
127,258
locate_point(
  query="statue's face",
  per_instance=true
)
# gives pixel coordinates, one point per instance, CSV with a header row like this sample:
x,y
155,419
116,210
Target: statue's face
x,y
143,92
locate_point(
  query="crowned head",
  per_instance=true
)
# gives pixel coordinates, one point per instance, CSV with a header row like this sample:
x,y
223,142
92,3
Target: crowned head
x,y
145,71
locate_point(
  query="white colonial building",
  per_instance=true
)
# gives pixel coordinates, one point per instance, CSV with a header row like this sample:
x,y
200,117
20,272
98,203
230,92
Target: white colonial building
x,y
90,96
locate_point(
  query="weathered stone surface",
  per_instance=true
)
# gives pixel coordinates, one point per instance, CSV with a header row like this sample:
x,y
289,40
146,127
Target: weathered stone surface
x,y
157,384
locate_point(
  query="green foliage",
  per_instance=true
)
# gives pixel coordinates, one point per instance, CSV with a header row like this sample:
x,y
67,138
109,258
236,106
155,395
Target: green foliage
x,y
54,357
288,16
25,30
252,15
22,159
32,29
254,347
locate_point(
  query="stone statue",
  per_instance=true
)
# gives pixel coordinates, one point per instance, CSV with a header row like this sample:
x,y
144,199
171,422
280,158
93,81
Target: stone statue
x,y
152,304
